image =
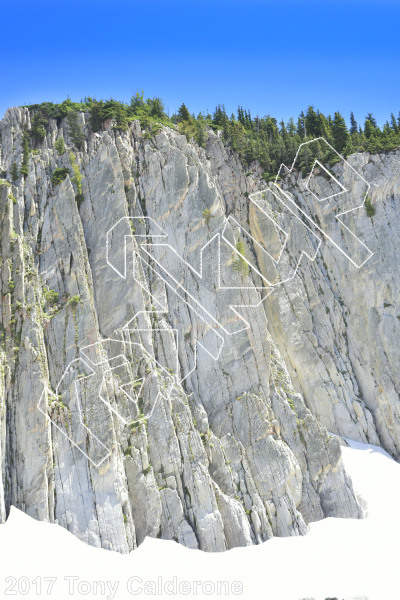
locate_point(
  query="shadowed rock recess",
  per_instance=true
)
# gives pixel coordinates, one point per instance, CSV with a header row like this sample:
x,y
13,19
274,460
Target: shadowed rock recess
x,y
246,447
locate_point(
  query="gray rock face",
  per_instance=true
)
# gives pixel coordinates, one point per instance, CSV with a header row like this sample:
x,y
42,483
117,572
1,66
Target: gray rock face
x,y
236,449
338,326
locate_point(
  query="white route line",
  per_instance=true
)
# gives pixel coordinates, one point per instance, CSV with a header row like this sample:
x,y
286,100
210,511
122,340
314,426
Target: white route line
x,y
337,217
307,185
179,290
276,261
89,364
184,295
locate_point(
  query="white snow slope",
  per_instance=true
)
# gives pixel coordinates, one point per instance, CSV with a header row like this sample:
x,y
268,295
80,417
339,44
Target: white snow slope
x,y
341,558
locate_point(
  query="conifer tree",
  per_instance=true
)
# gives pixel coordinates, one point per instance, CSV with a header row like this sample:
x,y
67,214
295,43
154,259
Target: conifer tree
x,y
340,132
96,116
200,135
74,129
14,171
156,107
220,116
369,126
240,114
371,119
291,127
121,120
25,153
312,122
353,124
283,131
247,117
38,132
394,124
183,113
137,101
325,126
301,129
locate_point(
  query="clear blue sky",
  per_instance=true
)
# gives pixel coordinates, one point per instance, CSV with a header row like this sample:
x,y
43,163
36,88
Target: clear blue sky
x,y
271,57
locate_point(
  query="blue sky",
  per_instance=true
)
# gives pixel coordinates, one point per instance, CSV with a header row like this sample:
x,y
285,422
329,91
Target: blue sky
x,y
271,57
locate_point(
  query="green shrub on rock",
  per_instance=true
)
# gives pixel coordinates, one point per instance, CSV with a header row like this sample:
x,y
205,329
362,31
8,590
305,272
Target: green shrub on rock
x,y
60,145
59,175
369,207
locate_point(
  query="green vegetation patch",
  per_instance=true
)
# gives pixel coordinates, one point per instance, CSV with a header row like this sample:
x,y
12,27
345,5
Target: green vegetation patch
x,y
261,139
59,175
369,207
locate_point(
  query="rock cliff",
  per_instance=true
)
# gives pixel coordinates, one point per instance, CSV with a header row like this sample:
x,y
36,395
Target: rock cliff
x,y
134,399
